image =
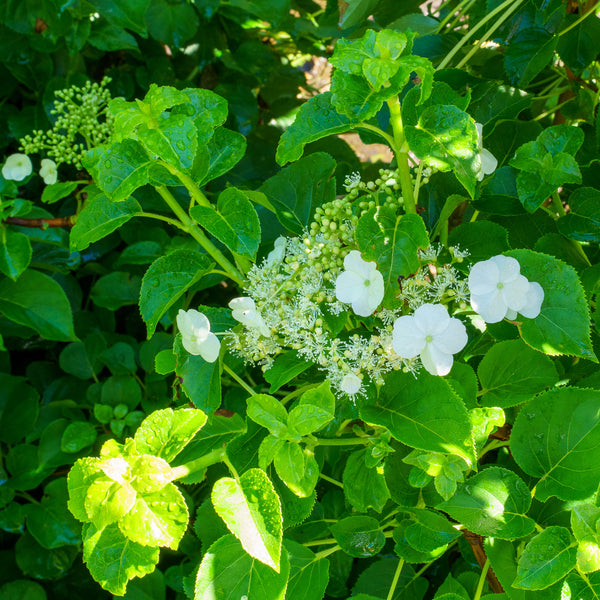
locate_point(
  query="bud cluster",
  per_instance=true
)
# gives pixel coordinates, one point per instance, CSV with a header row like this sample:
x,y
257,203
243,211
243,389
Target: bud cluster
x,y
82,122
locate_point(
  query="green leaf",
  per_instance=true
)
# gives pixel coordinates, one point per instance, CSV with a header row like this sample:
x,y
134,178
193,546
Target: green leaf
x,y
19,408
22,589
113,559
482,239
359,536
295,196
297,468
511,373
405,550
251,510
39,302
315,409
165,433
227,572
377,580
440,425
446,138
122,169
175,140
109,38
430,531
107,501
129,16
583,219
549,437
39,562
100,217
268,412
49,522
528,53
563,325
225,149
316,119
578,47
285,367
116,289
492,503
77,436
172,24
157,519
81,475
57,191
308,575
393,242
15,252
234,222
583,521
547,558
166,280
364,487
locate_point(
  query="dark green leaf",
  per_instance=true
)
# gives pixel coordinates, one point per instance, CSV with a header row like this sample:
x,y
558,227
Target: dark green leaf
x,y
359,536
308,575
116,289
583,219
364,487
57,191
77,436
528,53
122,169
284,368
19,408
225,149
15,252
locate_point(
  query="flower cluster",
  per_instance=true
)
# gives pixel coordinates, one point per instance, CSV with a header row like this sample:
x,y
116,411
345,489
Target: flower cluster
x,y
18,166
82,122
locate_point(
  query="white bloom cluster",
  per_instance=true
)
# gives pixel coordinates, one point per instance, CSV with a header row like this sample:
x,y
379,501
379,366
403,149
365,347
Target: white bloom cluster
x,y
18,166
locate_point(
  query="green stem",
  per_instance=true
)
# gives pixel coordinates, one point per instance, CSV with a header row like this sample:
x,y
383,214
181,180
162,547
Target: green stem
x,y
551,111
486,36
481,581
558,205
451,14
198,464
237,378
418,182
401,151
161,218
298,392
584,16
326,553
388,138
336,442
475,29
320,542
331,480
492,446
396,578
189,183
196,233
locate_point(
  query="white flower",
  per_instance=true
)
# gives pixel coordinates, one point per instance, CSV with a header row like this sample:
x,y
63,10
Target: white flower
x,y
361,284
487,161
48,172
498,290
278,253
350,384
17,167
196,335
432,334
244,310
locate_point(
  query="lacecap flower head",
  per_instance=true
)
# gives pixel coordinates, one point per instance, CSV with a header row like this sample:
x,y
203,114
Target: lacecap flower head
x,y
17,167
431,334
498,290
196,335
360,285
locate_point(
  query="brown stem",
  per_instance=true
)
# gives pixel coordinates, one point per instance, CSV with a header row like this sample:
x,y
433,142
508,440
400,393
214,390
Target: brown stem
x,y
476,543
41,223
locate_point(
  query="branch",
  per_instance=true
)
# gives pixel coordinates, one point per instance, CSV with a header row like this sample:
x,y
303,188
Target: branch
x,y
41,223
476,543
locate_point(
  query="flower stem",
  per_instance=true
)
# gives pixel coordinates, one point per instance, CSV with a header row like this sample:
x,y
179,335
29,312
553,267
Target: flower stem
x,y
217,455
558,205
239,380
190,185
334,481
326,553
198,235
337,442
401,151
396,578
481,581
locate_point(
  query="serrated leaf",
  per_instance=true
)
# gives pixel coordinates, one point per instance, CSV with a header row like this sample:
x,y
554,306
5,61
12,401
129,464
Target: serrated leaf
x,y
227,572
225,149
81,476
492,503
113,559
440,425
297,468
583,219
251,510
511,373
364,487
285,367
563,325
549,438
268,412
234,222
358,536
529,52
393,242
107,501
166,432
166,280
157,519
547,558
429,531
308,575
15,252
39,302
316,119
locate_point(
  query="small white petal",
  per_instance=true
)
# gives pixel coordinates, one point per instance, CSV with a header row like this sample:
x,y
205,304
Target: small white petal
x,y
242,303
351,384
436,361
278,253
210,348
483,277
490,307
515,293
508,267
17,167
49,172
431,319
453,339
349,287
534,299
488,162
511,315
354,262
407,341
